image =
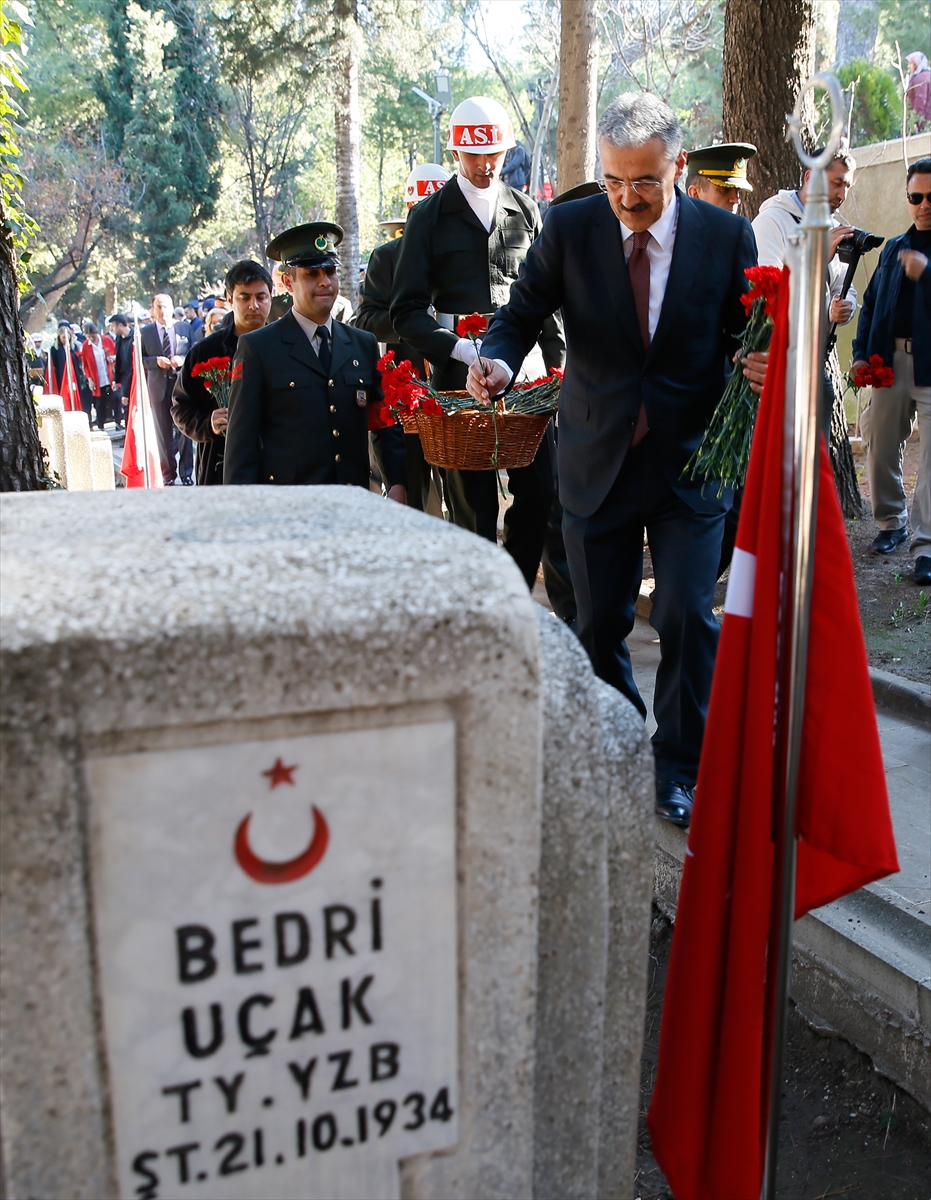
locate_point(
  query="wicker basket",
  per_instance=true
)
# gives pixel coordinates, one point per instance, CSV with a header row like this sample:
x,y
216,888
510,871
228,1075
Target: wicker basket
x,y
407,420
465,441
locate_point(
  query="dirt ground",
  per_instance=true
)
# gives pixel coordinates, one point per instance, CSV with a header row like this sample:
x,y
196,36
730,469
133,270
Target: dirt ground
x,y
846,1131
896,613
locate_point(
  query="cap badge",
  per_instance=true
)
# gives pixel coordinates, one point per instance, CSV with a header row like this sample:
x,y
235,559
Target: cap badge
x,y
321,243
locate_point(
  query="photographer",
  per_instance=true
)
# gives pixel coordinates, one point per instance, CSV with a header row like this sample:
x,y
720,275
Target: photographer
x,y
895,324
780,215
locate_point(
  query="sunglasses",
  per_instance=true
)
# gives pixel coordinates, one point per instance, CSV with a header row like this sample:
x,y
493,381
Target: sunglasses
x,y
917,197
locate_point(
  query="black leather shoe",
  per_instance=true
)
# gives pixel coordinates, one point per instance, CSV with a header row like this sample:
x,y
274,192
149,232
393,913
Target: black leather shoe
x,y
187,482
674,802
887,541
923,569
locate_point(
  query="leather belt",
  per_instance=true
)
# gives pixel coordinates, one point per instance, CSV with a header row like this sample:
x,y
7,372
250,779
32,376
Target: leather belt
x,y
904,344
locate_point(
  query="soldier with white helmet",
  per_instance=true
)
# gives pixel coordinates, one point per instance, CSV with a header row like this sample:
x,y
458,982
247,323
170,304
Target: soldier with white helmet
x,y
461,251
374,299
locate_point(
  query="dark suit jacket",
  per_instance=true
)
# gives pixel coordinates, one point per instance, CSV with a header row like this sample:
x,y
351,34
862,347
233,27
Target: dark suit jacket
x,y
578,264
375,301
192,404
161,380
291,424
450,261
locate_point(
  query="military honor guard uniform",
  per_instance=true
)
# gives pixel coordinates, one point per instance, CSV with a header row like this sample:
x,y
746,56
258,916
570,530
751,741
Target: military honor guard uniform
x,y
462,249
299,407
373,315
718,174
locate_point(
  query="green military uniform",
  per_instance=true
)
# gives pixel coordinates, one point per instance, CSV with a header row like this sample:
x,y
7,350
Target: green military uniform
x,y
294,417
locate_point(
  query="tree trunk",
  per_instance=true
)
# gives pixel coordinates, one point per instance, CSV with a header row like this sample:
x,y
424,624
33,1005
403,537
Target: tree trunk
x,y
539,142
857,26
578,81
21,466
348,145
769,52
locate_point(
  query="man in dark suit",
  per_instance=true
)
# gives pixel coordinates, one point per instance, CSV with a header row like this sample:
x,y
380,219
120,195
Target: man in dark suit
x,y
373,314
299,408
195,409
649,282
163,351
462,249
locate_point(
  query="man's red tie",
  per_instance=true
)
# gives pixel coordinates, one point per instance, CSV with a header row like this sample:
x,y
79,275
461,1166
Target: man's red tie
x,y
638,268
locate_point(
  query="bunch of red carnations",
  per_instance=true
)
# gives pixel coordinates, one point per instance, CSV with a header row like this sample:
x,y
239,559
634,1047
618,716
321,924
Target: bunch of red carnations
x,y
875,374
218,375
724,451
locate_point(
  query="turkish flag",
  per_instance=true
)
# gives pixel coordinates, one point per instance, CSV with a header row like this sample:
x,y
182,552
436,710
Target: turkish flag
x,y
141,465
708,1118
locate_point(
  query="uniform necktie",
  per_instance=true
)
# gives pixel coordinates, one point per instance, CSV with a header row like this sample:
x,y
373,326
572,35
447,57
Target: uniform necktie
x,y
166,343
638,268
323,347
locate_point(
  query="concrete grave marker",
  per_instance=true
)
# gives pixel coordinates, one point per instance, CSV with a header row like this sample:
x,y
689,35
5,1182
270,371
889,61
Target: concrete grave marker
x,y
277,933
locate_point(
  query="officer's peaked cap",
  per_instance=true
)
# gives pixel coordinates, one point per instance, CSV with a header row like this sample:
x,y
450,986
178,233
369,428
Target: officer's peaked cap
x,y
310,245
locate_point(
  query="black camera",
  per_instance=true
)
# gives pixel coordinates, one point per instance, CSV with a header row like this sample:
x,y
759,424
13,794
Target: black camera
x,y
853,247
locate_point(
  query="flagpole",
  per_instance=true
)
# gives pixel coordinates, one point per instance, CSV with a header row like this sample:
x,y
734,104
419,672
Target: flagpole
x,y
808,324
140,407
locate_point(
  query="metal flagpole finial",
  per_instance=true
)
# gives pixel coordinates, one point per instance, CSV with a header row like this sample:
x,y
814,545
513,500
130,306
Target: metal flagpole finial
x,y
829,83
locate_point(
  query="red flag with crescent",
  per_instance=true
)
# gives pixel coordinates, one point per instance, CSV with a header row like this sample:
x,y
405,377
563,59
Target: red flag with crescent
x,y
712,1079
141,465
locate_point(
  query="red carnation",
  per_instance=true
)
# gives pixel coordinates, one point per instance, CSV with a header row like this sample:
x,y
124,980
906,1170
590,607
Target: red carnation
x,y
385,360
473,326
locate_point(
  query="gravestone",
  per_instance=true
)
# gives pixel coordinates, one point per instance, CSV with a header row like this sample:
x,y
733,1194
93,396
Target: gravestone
x,y
284,861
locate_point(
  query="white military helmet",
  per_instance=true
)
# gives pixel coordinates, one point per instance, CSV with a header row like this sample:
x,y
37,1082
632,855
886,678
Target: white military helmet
x,y
480,124
423,181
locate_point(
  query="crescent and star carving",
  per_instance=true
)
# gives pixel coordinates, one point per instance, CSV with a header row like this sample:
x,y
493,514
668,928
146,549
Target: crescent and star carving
x,y
264,871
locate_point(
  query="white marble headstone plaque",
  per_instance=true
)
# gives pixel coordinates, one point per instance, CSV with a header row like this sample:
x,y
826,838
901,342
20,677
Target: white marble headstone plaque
x,y
276,932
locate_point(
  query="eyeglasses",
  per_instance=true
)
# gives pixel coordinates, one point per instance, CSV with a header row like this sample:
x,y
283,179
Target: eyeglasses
x,y
642,187
917,197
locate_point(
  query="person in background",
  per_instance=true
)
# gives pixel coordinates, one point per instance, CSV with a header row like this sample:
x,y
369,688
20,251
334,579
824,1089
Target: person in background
x,y
63,370
194,408
163,351
97,357
895,323
122,365
918,89
195,321
213,320
718,174
36,360
780,216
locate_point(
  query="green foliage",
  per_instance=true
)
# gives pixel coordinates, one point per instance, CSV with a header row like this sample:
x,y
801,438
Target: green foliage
x,y
15,224
161,112
877,105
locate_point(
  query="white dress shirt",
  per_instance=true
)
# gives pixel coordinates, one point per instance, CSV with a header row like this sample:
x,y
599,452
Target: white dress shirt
x,y
482,201
100,357
659,252
313,330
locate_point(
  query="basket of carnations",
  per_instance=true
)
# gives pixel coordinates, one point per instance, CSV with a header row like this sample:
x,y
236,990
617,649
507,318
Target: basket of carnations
x,y
217,375
460,434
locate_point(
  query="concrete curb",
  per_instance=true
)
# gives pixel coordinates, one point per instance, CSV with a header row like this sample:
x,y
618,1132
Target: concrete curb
x,y
906,697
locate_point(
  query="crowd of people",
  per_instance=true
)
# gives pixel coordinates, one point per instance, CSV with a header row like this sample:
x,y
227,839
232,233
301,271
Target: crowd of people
x,y
632,284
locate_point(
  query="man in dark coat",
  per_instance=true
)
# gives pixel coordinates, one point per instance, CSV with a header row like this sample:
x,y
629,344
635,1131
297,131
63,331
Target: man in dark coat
x,y
895,324
163,351
121,332
462,249
299,407
194,408
649,282
373,314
